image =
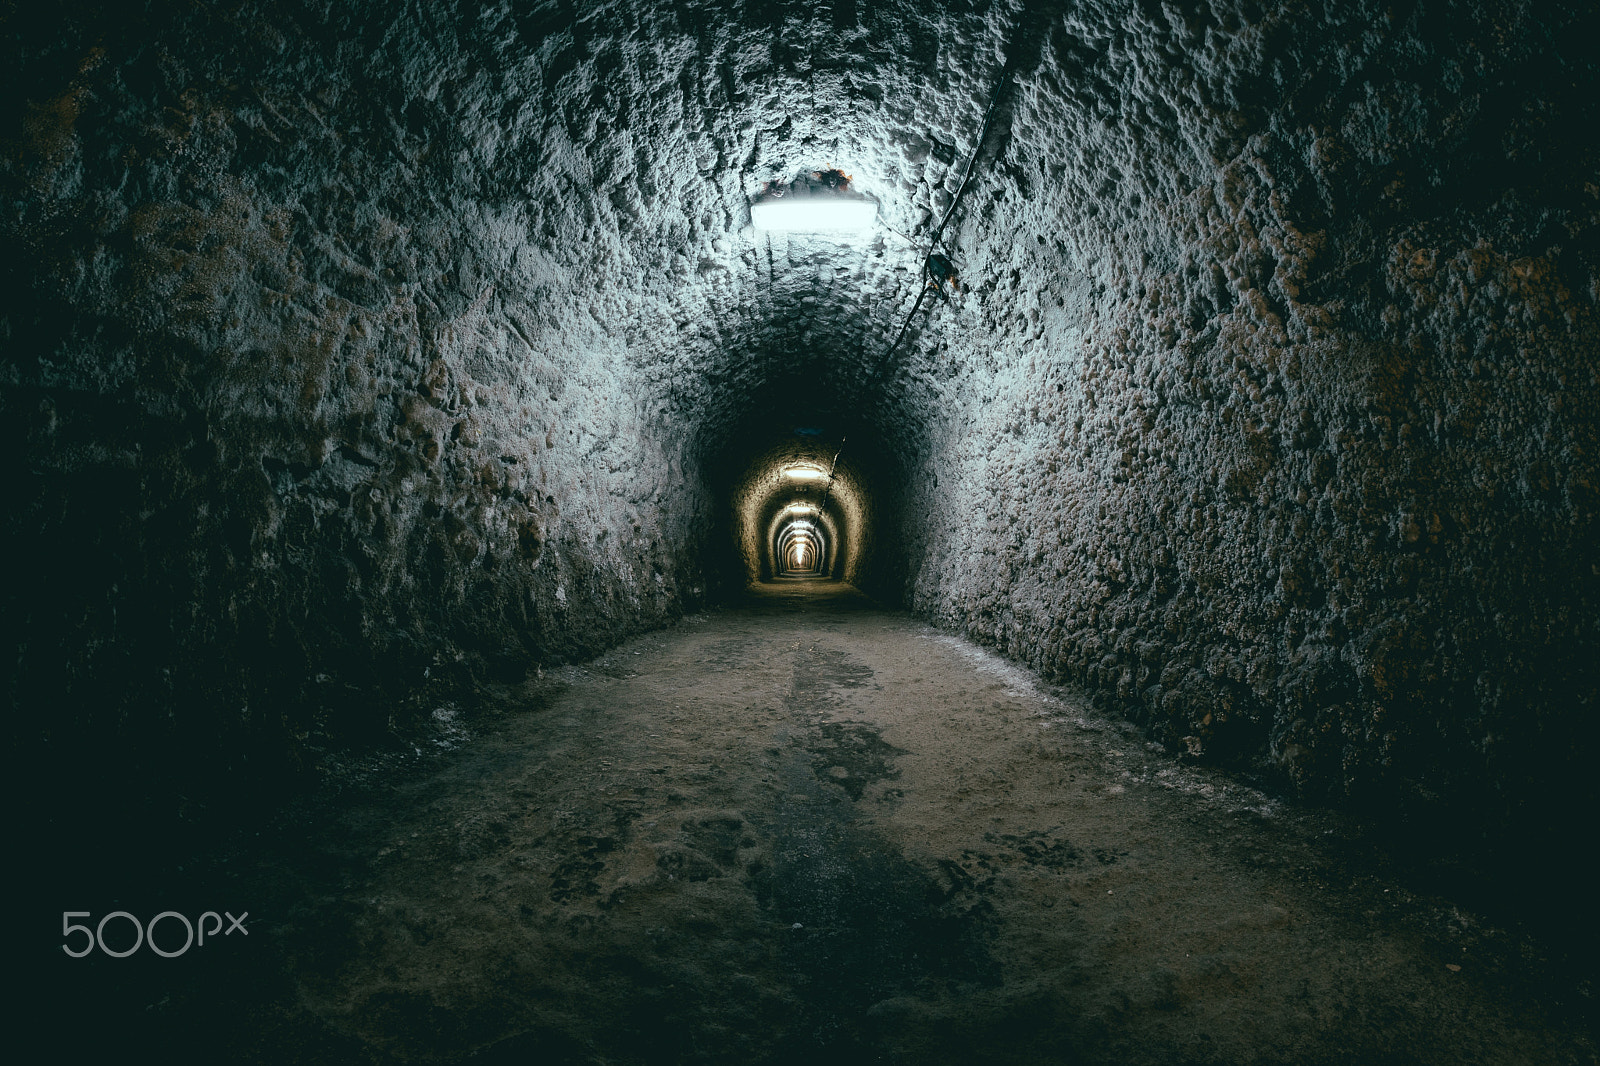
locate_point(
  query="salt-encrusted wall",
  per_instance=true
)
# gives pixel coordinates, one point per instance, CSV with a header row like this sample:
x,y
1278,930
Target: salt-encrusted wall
x,y
327,381
1274,417
348,345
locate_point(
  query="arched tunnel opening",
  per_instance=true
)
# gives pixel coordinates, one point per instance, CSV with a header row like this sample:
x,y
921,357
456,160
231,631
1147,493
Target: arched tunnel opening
x,y
800,546
799,516
712,531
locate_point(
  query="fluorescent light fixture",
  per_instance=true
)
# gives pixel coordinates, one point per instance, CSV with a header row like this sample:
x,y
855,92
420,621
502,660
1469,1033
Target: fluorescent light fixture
x,y
814,214
821,201
806,473
801,508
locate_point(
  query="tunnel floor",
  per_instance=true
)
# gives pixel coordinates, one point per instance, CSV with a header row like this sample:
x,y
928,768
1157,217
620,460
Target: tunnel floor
x,y
804,828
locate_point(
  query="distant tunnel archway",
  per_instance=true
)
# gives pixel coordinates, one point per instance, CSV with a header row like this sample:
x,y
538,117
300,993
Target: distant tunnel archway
x,y
802,507
801,548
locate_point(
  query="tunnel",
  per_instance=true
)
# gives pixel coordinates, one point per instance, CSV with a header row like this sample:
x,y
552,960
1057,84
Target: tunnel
x,y
717,531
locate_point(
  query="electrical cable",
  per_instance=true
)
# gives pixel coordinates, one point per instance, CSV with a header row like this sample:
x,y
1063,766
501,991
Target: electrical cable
x,y
832,467
977,148
933,242
988,122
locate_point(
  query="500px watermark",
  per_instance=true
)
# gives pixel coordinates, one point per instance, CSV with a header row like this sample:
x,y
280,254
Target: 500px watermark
x,y
146,934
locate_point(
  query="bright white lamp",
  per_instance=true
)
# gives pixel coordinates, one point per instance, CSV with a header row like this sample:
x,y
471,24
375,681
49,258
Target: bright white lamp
x,y
818,203
814,214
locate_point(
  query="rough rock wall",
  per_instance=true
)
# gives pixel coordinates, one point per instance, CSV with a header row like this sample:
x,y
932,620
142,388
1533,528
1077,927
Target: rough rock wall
x,y
345,341
311,405
342,337
1273,414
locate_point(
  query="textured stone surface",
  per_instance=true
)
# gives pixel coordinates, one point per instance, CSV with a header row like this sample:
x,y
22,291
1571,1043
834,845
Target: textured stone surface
x,y
345,341
1278,425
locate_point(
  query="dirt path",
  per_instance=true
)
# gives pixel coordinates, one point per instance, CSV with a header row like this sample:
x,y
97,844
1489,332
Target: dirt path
x,y
810,830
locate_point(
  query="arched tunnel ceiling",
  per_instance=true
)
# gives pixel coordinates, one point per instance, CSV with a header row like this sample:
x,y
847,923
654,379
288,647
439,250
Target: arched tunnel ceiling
x,y
353,339
609,151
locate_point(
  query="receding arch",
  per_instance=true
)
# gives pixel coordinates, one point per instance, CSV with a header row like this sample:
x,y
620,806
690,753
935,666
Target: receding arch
x,y
801,546
802,486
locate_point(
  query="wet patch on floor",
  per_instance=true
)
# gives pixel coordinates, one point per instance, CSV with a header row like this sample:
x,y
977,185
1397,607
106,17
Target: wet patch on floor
x,y
864,925
851,755
708,846
1038,847
848,754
